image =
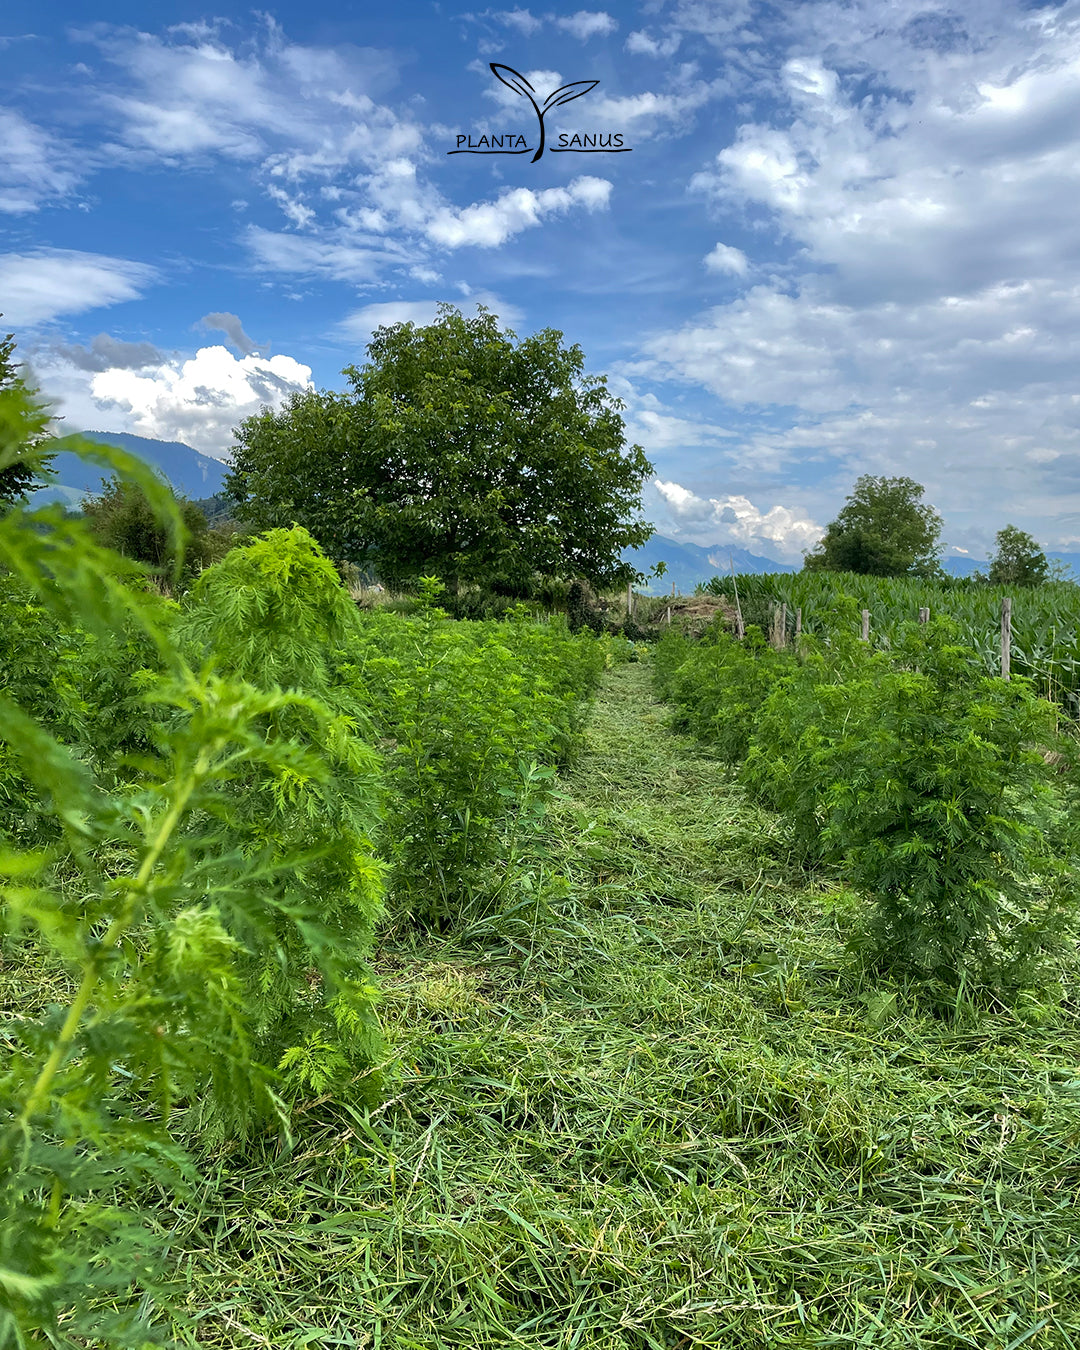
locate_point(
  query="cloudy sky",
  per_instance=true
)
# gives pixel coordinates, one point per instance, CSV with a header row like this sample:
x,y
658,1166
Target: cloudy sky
x,y
846,239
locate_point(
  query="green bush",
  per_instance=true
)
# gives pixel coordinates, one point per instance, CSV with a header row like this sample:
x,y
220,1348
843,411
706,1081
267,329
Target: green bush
x,y
721,684
942,809
166,887
275,615
475,717
920,777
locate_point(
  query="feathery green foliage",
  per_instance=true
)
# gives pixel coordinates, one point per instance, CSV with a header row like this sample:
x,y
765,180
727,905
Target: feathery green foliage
x,y
476,717
917,775
156,899
1045,619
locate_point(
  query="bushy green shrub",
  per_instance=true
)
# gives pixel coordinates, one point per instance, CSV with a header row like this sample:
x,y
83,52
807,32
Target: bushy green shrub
x,y
275,614
720,686
924,780
471,715
940,806
122,518
170,884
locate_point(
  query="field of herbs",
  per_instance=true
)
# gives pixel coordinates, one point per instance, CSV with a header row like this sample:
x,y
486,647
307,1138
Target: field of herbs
x,y
375,979
1045,619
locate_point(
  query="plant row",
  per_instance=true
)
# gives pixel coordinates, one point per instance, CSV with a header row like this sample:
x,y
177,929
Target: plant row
x,y
1045,619
945,797
204,807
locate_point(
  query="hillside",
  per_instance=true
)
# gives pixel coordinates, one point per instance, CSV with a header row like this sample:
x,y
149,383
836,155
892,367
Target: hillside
x,y
690,564
190,473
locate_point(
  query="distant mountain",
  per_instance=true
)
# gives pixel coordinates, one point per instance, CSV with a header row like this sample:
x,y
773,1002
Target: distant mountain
x,y
964,567
689,565
190,473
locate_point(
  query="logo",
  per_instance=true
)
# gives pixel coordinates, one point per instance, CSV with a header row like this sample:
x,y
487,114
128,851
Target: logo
x,y
513,143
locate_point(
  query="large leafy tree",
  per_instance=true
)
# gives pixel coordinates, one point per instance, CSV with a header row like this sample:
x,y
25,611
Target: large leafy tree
x,y
458,451
884,529
1019,560
27,472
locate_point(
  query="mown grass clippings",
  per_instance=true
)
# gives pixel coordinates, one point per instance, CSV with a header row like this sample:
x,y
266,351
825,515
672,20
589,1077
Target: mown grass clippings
x,y
660,1112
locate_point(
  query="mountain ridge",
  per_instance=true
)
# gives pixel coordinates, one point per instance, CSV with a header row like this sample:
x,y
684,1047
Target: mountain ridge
x,y
191,473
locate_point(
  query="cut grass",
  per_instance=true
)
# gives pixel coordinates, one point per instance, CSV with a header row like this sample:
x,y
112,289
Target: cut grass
x,y
657,1107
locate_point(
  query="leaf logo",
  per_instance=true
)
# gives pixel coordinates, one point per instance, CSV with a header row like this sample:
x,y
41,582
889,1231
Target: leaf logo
x,y
520,85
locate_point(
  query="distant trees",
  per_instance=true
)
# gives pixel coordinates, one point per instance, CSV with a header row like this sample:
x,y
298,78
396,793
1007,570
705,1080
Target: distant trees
x,y
122,519
1019,561
884,529
457,451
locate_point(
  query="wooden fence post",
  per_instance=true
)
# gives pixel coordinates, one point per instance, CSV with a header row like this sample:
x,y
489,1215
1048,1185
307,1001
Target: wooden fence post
x,y
1006,636
798,624
924,615
866,625
629,599
740,631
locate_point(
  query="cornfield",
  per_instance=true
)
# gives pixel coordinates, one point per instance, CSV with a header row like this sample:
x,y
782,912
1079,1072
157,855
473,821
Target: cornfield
x,y
1045,619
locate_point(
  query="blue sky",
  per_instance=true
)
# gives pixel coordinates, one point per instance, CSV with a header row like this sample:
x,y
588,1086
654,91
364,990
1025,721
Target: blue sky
x,y
846,240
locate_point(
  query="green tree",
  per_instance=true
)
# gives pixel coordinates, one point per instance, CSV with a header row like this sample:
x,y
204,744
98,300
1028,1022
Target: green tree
x,y
458,451
884,529
23,474
1019,560
122,519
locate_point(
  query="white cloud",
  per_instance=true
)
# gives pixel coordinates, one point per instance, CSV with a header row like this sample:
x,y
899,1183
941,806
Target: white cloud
x,y
361,323
38,286
521,19
293,113
920,177
726,258
34,166
656,431
345,257
736,520
586,24
197,401
489,224
641,43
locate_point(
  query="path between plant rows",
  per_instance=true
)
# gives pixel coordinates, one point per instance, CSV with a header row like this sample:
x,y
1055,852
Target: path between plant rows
x,y
652,1108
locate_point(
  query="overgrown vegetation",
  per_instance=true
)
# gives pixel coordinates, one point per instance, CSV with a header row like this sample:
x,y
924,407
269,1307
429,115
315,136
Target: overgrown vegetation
x,y
197,892
1045,619
932,788
659,1107
764,1038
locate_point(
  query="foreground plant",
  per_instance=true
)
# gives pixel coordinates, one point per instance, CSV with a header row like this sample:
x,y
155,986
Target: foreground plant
x,y
174,911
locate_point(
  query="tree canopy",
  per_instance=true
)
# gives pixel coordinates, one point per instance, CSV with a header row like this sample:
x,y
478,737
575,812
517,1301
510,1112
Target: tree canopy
x,y
1019,561
884,529
456,451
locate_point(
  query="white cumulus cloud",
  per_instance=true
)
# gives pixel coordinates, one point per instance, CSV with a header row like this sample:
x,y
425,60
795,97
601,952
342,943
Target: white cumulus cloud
x,y
736,520
586,24
725,258
197,401
489,224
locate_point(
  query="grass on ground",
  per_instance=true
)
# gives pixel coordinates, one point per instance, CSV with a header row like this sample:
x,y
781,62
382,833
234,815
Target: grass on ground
x,y
656,1107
